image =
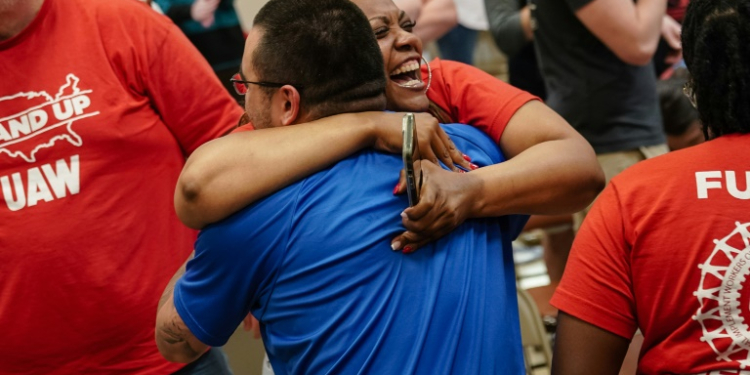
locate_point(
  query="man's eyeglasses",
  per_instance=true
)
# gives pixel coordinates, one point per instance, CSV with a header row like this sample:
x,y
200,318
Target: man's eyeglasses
x,y
240,85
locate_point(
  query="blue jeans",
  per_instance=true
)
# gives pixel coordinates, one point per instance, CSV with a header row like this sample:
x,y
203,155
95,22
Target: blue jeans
x,y
458,45
212,362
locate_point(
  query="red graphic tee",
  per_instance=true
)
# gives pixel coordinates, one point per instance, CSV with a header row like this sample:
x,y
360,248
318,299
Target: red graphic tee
x,y
473,97
666,248
100,103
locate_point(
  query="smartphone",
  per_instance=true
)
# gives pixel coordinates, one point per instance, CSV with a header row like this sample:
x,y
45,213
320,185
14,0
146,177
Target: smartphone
x,y
410,154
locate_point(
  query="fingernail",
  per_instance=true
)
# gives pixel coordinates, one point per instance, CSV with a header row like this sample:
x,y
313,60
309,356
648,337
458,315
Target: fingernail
x,y
395,245
466,157
395,190
403,214
407,250
461,171
473,166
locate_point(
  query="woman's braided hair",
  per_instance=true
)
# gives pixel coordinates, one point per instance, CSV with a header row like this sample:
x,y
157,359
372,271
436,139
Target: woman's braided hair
x,y
716,46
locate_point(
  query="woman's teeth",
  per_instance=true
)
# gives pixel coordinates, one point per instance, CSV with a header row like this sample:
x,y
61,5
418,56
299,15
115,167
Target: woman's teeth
x,y
407,75
408,67
412,83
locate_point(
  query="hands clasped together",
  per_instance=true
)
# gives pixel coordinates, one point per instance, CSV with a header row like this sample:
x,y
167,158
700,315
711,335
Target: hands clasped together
x,y
445,198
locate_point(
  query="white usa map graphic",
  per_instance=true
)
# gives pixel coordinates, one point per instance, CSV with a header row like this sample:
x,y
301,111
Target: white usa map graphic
x,y
44,121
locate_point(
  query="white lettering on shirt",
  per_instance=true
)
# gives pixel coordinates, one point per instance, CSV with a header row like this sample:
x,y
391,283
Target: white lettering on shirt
x,y
42,184
705,181
701,180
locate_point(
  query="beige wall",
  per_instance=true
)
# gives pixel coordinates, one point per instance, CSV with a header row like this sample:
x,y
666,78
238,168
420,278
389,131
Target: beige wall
x,y
247,10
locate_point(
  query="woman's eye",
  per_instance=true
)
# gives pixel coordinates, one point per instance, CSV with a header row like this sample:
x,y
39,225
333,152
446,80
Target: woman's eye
x,y
381,32
408,26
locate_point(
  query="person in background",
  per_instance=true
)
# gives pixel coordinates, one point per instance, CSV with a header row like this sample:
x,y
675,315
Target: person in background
x,y
214,28
98,111
452,24
313,261
665,248
459,43
433,19
595,57
681,120
511,28
669,50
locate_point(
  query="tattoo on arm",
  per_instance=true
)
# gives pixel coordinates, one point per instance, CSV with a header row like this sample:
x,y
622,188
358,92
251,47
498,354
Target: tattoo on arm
x,y
177,335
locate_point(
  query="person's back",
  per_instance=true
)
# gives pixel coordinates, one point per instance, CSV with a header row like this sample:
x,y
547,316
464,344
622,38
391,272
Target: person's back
x,y
313,263
612,103
683,261
666,247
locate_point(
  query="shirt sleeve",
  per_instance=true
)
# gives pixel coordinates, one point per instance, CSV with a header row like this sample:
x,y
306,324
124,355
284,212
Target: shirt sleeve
x,y
234,267
505,25
183,88
597,284
473,97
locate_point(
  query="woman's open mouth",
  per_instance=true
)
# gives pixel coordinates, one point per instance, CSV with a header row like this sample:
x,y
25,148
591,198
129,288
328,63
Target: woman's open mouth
x,y
407,75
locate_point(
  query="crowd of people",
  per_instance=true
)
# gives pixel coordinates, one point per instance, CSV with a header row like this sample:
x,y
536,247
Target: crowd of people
x,y
147,214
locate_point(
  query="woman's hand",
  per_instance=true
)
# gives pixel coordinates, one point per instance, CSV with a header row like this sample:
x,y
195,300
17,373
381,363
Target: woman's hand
x,y
434,143
446,200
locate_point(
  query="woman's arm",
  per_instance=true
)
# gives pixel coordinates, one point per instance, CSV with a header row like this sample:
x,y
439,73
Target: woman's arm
x,y
229,173
550,170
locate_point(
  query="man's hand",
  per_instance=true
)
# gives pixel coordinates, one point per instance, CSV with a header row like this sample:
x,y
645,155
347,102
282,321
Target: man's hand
x,y
203,11
251,324
671,31
527,24
444,203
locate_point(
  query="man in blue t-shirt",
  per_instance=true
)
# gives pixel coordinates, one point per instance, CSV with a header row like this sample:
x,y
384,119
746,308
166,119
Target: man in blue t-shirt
x,y
313,262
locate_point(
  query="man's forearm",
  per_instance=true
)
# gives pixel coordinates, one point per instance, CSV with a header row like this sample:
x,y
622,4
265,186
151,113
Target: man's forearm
x,y
170,286
650,14
174,340
629,30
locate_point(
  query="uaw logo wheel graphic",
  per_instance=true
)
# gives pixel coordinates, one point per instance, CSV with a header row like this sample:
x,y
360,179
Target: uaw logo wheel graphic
x,y
723,308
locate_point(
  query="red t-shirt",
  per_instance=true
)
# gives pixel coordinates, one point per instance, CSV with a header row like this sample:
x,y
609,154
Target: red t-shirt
x,y
666,249
676,9
100,103
470,96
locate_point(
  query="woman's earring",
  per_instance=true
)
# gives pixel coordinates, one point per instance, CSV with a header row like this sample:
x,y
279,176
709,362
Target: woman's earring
x,y
429,74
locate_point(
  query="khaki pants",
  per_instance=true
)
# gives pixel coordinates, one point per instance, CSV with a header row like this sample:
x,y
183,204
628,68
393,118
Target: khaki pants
x,y
615,162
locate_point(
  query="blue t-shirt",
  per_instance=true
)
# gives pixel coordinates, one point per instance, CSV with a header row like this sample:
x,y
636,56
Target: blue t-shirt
x,y
313,263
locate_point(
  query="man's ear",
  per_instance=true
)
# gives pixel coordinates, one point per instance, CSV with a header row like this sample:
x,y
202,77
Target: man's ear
x,y
289,99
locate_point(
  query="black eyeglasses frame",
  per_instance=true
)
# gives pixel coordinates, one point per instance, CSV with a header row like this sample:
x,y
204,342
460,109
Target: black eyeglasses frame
x,y
259,83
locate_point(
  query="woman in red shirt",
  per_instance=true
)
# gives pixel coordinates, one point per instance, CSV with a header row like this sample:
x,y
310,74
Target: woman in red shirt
x,y
551,168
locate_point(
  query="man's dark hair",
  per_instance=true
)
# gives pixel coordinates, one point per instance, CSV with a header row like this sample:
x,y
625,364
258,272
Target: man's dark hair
x,y
716,46
325,48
